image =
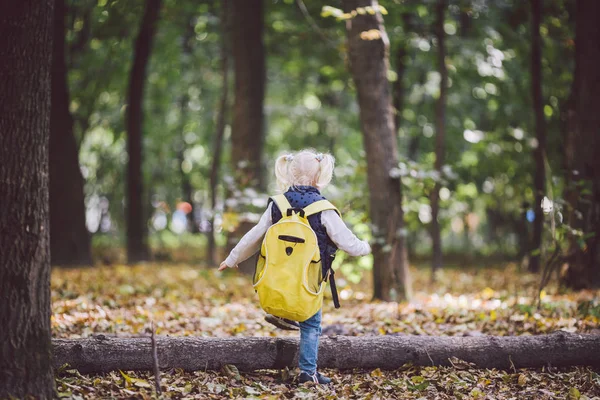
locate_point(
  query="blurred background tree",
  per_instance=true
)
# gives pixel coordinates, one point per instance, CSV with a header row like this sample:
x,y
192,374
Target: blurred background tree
x,y
484,94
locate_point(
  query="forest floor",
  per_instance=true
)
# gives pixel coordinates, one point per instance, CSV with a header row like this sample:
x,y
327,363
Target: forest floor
x,y
185,300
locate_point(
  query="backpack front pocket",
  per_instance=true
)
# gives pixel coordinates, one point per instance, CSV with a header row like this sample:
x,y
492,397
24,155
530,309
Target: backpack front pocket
x,y
313,278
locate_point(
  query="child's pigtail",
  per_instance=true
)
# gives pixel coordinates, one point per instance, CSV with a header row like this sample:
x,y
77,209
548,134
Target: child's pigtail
x,y
326,165
282,172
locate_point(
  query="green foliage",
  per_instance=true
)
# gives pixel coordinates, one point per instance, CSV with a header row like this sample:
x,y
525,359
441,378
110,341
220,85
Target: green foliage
x,y
589,308
310,102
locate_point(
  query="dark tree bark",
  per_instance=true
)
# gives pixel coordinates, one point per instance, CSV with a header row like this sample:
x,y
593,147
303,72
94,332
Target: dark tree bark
x,y
440,136
247,135
583,152
69,237
368,48
559,349
26,54
540,133
220,130
137,230
465,22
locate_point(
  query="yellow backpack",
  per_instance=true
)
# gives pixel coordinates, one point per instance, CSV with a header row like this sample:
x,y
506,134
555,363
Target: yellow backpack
x,y
288,276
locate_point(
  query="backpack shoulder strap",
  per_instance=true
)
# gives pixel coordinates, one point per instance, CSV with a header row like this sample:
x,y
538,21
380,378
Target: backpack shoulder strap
x,y
312,209
282,203
319,206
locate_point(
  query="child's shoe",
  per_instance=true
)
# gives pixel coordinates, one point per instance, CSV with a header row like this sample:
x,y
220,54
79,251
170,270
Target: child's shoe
x,y
316,378
282,323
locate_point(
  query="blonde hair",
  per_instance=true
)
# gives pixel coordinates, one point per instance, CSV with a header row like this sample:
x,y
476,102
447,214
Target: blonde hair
x,y
304,168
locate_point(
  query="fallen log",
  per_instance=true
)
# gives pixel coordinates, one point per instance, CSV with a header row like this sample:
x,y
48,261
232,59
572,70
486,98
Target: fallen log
x,y
102,354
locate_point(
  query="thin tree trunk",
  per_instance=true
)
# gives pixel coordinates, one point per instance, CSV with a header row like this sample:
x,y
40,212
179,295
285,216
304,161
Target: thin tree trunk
x,y
540,133
137,230
466,22
399,91
401,53
414,142
440,137
467,250
80,11
69,237
25,87
220,132
568,126
247,135
412,154
187,194
368,48
559,349
186,185
583,152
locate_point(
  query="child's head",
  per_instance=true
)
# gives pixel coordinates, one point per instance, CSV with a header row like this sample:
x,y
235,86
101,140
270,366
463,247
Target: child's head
x,y
305,168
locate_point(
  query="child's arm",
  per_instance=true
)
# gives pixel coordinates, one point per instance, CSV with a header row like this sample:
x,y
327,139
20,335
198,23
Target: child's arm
x,y
249,243
343,237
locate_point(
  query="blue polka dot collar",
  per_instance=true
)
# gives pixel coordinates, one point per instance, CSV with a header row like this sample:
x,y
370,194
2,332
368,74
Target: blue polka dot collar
x,y
303,188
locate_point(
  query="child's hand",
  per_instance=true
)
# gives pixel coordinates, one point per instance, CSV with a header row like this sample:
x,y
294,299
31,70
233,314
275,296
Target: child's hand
x,y
223,266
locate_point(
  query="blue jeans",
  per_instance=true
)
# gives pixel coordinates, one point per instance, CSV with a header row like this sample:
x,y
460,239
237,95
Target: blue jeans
x,y
310,331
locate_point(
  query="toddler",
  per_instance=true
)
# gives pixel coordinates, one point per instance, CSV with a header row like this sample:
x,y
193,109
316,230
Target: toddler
x,y
301,176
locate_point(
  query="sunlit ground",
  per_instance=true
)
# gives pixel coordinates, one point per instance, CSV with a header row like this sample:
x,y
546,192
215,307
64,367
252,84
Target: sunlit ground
x,y
194,300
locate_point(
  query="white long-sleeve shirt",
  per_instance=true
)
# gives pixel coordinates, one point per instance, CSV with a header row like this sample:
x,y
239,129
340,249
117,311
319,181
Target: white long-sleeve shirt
x,y
337,231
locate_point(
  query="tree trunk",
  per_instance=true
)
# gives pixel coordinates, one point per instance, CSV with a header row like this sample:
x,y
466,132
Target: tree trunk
x,y
187,194
540,133
69,237
247,135
186,185
398,87
399,99
137,229
102,354
220,133
465,22
25,87
368,48
583,144
440,136
415,141
413,154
